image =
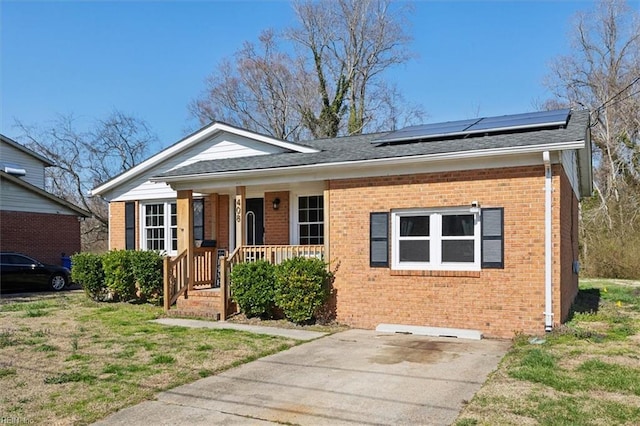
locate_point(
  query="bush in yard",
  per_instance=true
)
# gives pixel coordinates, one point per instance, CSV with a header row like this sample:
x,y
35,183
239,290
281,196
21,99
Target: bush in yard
x,y
302,287
118,274
147,270
87,271
252,287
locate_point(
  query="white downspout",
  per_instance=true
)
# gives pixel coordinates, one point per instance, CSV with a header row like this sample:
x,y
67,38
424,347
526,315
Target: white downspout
x,y
548,255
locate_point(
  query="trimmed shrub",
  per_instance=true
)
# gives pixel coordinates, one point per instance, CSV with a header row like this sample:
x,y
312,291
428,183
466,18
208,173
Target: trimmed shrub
x,y
118,274
252,286
147,270
87,271
302,287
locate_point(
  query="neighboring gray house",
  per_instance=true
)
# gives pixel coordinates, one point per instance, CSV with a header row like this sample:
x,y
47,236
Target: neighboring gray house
x,y
32,220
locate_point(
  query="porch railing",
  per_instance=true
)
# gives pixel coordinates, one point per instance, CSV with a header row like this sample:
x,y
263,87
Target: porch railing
x,y
177,280
204,268
274,254
176,271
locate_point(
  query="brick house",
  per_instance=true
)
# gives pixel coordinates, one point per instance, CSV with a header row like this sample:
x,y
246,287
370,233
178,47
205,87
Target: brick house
x,y
468,225
32,220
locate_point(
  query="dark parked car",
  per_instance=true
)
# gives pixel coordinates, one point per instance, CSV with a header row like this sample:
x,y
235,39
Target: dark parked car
x,y
20,272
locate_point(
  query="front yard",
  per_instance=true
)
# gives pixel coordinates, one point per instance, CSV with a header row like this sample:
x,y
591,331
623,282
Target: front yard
x,y
67,360
586,372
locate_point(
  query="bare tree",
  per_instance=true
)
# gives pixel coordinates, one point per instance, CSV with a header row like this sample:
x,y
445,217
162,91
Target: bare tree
x,y
256,91
603,75
85,159
332,84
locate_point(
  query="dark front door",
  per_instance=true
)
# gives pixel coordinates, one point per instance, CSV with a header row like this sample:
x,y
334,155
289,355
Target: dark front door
x,y
255,221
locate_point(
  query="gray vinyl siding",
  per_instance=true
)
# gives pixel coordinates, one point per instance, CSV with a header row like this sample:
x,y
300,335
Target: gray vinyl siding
x,y
10,156
16,198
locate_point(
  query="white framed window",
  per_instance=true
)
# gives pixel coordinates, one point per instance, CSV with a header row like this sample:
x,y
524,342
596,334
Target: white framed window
x,y
310,219
159,227
436,239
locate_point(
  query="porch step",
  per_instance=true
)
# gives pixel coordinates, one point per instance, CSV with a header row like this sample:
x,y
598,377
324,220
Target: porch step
x,y
203,303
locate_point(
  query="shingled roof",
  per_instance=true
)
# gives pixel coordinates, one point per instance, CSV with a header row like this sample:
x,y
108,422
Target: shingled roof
x,y
363,147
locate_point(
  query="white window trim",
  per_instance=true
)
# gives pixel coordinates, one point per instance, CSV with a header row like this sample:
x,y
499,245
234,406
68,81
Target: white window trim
x,y
435,239
167,220
294,227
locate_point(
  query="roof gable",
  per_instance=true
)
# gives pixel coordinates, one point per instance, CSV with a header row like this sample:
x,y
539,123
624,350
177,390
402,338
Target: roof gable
x,y
26,150
206,133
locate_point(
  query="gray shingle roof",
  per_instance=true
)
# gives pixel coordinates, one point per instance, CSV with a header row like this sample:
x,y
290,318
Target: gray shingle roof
x,y
360,148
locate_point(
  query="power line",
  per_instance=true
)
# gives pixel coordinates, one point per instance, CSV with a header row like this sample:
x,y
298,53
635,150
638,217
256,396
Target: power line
x,y
618,94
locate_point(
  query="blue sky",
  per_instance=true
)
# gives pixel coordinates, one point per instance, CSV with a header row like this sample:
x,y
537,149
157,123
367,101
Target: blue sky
x,y
150,58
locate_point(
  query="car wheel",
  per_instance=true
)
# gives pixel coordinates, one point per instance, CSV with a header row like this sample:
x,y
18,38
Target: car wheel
x,y
57,282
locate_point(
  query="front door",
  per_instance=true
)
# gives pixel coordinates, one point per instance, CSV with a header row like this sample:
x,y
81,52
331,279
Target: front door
x,y
254,221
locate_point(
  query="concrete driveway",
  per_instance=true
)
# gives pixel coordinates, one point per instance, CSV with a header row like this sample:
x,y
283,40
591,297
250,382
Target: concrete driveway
x,y
353,377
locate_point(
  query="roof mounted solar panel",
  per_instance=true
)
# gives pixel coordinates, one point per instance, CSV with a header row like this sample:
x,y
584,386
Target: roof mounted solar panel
x,y
428,130
485,125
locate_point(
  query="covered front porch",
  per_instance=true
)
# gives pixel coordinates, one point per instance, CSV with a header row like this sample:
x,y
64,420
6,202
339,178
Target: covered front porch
x,y
234,225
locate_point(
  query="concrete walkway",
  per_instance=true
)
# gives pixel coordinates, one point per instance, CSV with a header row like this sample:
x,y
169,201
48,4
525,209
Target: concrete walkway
x,y
354,377
258,329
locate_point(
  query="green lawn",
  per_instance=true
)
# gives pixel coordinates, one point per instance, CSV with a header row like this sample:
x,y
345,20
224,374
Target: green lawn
x,y
587,372
67,360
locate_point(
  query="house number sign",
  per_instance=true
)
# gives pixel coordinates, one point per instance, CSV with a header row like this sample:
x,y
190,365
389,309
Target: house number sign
x,y
238,210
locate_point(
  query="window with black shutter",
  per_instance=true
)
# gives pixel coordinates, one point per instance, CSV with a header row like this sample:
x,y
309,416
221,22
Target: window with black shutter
x,y
379,239
493,237
130,225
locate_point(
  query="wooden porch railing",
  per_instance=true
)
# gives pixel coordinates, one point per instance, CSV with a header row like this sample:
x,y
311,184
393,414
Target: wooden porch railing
x,y
204,267
175,278
176,271
274,254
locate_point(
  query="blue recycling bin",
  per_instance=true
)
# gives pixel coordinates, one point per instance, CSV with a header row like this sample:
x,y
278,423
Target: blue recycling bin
x,y
66,262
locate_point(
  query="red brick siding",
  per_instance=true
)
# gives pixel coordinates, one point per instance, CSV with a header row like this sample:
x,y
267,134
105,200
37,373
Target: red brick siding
x,y
42,236
223,222
209,205
565,282
498,302
276,222
117,237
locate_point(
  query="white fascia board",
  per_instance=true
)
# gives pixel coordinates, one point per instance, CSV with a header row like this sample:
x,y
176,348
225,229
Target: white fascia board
x,y
353,169
187,142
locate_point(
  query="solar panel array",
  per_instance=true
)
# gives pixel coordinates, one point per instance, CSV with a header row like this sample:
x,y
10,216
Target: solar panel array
x,y
530,120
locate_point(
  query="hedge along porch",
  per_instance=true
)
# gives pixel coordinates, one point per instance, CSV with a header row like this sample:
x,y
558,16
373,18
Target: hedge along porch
x,y
466,229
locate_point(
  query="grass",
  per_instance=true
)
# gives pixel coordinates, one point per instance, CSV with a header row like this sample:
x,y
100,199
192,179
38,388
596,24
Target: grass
x,y
587,372
65,359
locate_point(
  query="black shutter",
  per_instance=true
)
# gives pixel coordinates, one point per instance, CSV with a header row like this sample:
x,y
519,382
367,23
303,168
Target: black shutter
x,y
130,226
493,238
198,219
379,240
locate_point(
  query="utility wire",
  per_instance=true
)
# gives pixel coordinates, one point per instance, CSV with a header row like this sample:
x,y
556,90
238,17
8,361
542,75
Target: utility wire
x,y
618,94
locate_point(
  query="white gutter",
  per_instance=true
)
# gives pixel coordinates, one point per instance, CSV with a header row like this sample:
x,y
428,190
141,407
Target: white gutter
x,y
548,255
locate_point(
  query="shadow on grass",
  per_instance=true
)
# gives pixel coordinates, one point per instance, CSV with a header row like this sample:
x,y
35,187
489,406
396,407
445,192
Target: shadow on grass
x,y
587,301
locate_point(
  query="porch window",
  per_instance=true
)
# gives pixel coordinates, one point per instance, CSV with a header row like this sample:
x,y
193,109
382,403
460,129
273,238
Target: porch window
x,y
447,239
160,227
311,219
